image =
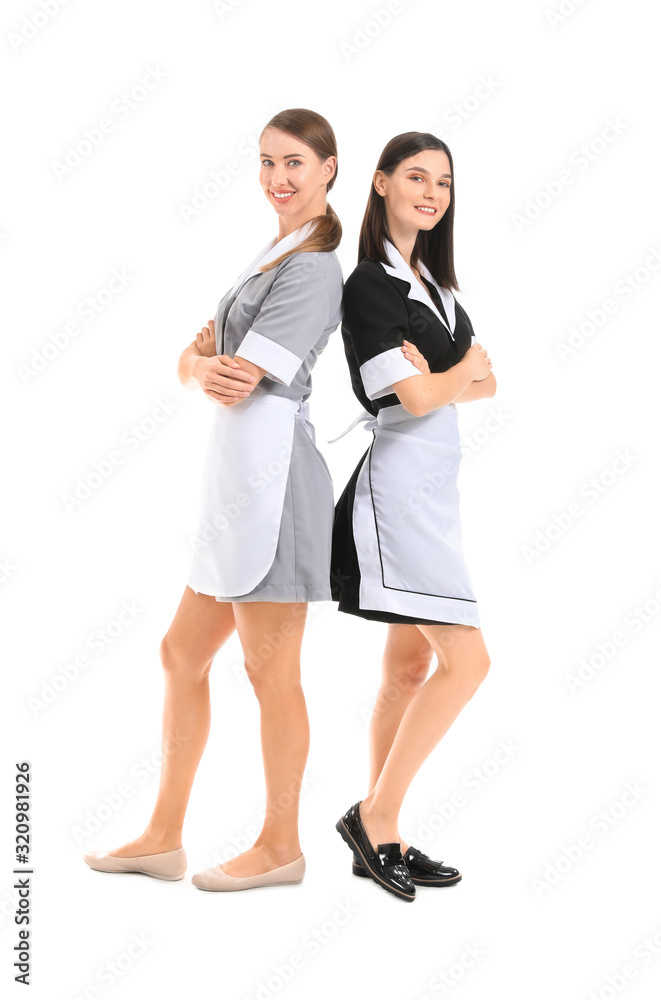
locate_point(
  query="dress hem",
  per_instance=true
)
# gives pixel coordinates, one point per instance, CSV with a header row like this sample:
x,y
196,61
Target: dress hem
x,y
284,594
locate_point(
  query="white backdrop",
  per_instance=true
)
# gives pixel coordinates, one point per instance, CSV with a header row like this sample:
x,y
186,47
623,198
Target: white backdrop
x,y
116,246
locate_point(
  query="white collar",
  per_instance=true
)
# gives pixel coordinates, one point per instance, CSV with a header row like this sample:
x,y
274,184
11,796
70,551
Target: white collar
x,y
272,250
402,270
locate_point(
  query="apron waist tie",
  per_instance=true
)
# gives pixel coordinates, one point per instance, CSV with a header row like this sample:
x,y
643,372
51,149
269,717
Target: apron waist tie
x,y
369,420
303,413
300,407
394,414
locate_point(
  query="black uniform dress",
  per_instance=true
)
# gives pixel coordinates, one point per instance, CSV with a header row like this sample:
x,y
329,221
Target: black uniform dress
x,y
381,310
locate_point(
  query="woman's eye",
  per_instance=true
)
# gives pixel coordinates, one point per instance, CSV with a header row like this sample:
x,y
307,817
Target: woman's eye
x,y
267,163
296,162
417,177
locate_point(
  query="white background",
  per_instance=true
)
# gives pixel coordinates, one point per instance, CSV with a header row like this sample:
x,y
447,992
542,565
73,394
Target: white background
x,y
539,916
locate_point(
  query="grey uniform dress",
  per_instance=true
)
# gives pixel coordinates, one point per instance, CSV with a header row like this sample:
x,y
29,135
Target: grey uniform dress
x,y
266,511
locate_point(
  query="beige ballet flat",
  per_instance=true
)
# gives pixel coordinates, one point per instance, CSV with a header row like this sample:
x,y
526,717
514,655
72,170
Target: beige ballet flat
x,y
170,866
218,880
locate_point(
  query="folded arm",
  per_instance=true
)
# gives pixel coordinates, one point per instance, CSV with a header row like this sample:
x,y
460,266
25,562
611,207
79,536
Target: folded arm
x,y
421,393
377,322
481,389
224,380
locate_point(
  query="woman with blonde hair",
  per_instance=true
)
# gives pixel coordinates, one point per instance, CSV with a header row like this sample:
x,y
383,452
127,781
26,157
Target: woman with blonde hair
x,y
263,546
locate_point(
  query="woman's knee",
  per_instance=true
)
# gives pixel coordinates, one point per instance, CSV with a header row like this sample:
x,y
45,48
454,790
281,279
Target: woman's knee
x,y
408,672
272,677
470,674
181,662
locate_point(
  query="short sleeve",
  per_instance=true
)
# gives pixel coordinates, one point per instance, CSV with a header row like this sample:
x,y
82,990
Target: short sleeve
x,y
470,325
377,322
291,320
463,331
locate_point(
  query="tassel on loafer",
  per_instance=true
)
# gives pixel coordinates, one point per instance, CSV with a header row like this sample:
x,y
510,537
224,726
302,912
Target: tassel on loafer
x,y
422,869
170,866
218,880
385,865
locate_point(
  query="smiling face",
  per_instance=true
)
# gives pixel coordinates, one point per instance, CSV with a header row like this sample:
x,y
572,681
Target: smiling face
x,y
417,193
293,177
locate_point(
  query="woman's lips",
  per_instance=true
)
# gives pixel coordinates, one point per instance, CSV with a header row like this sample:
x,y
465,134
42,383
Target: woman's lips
x,y
426,209
283,196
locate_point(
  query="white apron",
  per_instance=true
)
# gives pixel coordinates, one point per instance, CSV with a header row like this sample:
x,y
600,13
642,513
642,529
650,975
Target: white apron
x,y
245,476
243,490
406,522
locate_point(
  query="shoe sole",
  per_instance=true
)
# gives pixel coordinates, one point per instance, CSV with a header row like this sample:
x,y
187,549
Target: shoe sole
x,y
361,873
134,871
245,888
348,839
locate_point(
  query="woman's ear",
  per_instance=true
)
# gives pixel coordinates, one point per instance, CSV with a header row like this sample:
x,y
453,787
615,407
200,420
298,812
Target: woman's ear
x,y
330,167
379,183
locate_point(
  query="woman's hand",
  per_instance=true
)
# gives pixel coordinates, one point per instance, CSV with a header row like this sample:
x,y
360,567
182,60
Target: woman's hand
x,y
411,352
206,340
222,379
477,361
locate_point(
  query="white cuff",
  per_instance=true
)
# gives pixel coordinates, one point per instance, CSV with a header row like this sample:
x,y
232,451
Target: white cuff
x,y
280,364
381,371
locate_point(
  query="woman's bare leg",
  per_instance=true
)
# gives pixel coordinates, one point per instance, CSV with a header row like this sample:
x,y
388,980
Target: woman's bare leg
x,y
463,662
406,660
200,627
271,635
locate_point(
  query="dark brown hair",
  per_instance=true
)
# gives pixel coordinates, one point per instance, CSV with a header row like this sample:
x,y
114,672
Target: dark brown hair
x,y
433,248
313,130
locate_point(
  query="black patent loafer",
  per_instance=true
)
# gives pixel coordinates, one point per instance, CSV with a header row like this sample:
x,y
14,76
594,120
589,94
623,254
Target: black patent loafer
x,y
422,869
385,865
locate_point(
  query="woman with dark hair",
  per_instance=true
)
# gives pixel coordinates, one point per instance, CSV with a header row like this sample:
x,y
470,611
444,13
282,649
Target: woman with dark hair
x,y
397,546
262,550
